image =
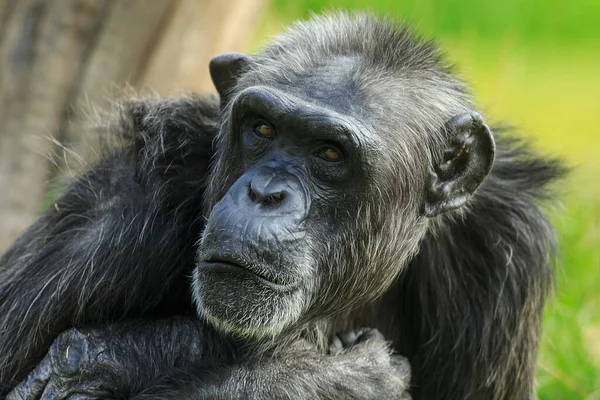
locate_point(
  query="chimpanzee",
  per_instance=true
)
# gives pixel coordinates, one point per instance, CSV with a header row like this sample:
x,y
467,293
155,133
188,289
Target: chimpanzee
x,y
341,212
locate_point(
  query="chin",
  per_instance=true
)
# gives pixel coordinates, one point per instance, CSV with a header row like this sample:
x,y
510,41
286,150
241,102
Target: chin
x,y
244,304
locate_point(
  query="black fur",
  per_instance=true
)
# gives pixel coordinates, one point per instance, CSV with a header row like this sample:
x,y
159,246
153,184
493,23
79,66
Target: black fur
x,y
117,249
119,241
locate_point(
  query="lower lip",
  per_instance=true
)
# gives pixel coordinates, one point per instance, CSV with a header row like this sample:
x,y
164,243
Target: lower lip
x,y
226,267
223,266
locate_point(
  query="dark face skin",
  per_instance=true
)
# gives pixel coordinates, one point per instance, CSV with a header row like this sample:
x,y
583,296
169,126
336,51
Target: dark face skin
x,y
312,215
303,168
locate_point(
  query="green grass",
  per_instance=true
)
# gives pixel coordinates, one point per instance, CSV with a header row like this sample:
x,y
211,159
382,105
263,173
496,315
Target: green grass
x,y
551,20
569,366
535,63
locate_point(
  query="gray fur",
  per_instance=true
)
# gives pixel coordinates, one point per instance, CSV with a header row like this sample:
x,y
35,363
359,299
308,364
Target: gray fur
x,y
460,294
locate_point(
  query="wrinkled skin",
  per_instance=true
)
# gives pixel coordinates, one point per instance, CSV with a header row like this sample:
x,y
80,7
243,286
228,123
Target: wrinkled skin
x,y
342,186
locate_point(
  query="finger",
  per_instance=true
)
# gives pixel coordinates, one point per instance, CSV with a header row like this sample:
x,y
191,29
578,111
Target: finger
x,y
83,396
54,391
369,334
70,353
400,361
61,389
349,338
33,386
336,345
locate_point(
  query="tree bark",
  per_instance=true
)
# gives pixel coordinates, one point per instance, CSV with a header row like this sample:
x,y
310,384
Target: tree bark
x,y
59,57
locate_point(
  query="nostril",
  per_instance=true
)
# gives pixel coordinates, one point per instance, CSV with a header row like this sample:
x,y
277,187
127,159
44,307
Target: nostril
x,y
252,195
267,200
273,199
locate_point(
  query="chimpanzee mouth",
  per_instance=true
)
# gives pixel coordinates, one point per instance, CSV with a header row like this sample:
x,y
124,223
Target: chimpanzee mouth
x,y
228,264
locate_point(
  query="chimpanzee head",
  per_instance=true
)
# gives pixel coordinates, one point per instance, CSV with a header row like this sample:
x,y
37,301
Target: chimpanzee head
x,y
340,143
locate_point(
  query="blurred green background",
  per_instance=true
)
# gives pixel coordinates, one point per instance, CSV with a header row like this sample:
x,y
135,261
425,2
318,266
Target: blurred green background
x,y
535,64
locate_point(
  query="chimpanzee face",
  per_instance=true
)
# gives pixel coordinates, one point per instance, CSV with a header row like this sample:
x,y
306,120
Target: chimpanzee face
x,y
312,217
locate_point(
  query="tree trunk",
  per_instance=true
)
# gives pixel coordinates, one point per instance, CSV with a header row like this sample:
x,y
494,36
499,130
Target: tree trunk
x,y
57,57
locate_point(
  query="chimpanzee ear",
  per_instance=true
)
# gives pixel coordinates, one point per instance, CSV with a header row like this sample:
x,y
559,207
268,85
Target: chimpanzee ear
x,y
224,70
467,160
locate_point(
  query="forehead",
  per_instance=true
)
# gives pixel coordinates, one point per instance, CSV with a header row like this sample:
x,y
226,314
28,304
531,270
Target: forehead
x,y
329,84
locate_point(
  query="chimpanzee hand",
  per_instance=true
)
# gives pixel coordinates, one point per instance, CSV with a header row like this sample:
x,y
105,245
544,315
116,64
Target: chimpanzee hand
x,y
76,367
385,375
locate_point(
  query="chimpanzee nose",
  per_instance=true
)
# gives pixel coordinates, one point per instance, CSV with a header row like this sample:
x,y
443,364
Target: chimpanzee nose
x,y
268,190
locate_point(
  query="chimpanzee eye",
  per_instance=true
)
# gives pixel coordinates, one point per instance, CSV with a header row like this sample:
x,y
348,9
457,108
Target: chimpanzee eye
x,y
330,154
263,129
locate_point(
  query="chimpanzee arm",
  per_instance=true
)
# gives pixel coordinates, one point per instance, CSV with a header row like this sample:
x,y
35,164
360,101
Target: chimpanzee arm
x,y
365,370
170,359
118,242
119,359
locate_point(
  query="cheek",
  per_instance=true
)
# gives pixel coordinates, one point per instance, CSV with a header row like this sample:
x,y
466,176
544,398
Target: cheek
x,y
361,259
223,174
